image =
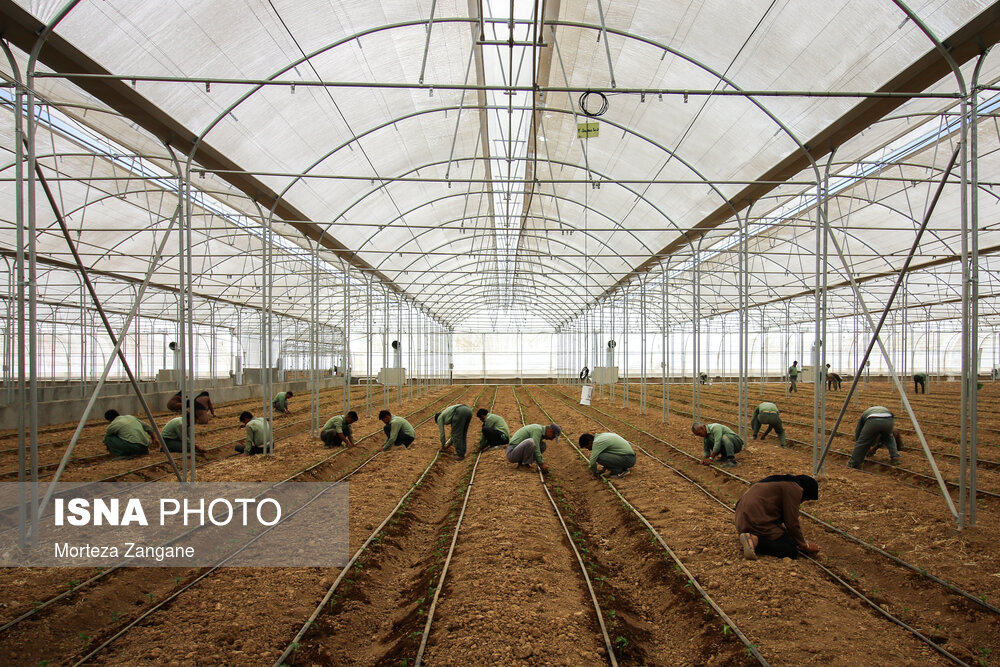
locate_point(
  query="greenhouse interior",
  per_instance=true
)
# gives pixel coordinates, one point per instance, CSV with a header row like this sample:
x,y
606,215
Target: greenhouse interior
x,y
561,266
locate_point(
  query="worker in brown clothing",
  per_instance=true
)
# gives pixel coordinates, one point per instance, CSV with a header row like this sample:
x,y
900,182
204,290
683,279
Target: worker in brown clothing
x,y
767,516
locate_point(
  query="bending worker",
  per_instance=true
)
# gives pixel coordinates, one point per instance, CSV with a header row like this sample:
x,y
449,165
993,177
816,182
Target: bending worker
x,y
128,436
767,413
258,434
719,442
172,436
876,423
397,431
793,377
203,406
458,416
496,433
767,516
280,402
920,383
528,443
337,430
610,450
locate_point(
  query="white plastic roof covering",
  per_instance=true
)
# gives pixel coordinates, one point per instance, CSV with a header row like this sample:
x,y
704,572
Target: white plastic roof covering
x,y
433,187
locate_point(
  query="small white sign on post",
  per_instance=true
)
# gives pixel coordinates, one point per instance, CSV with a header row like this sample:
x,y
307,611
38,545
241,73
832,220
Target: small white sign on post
x,y
586,392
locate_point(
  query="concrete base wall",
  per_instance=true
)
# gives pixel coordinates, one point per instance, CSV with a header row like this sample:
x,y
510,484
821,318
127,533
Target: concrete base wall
x,y
61,404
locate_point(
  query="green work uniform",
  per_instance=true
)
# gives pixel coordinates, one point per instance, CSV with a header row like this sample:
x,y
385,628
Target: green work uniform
x,y
767,413
280,401
875,423
172,435
396,426
336,431
721,439
128,436
613,452
534,431
793,378
458,417
258,435
496,424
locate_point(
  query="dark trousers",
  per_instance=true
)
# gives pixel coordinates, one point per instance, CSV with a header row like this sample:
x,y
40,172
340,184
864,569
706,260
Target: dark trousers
x,y
255,449
401,438
731,445
616,463
771,420
494,438
783,547
174,446
120,447
918,386
460,428
331,438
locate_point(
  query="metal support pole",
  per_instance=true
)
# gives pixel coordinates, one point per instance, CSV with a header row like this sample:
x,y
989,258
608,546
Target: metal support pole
x,y
876,340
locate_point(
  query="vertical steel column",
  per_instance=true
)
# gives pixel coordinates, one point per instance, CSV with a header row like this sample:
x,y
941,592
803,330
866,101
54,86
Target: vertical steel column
x,y
625,330
24,521
696,336
819,344
665,323
642,345
314,416
348,362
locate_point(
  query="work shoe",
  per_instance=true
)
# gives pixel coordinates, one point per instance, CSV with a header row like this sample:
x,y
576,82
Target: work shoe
x,y
894,461
731,463
624,472
459,458
746,540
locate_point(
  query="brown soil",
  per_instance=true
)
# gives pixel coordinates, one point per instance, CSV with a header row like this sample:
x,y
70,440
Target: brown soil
x,y
94,614
855,502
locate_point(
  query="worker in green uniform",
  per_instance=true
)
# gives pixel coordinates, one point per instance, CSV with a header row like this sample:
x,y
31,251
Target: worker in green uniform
x,y
496,433
258,434
280,402
793,377
528,443
718,442
876,423
703,378
337,430
172,437
767,413
458,417
127,436
397,431
920,383
609,450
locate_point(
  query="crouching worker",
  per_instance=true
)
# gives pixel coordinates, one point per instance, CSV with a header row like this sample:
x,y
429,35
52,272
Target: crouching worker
x,y
397,431
496,433
458,417
172,437
767,414
611,451
280,402
337,430
127,436
876,424
719,442
258,434
767,516
528,443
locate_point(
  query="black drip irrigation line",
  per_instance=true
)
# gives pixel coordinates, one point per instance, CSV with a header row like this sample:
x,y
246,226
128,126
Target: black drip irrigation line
x,y
899,561
451,550
888,616
928,479
293,645
124,563
608,645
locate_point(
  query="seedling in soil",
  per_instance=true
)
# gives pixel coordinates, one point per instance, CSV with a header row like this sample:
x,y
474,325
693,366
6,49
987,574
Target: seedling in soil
x,y
114,618
42,663
611,613
84,637
416,634
36,604
621,642
151,597
726,631
73,584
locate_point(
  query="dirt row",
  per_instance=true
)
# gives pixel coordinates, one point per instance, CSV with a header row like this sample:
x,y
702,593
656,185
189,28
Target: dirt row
x,y
69,629
956,623
784,606
501,593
